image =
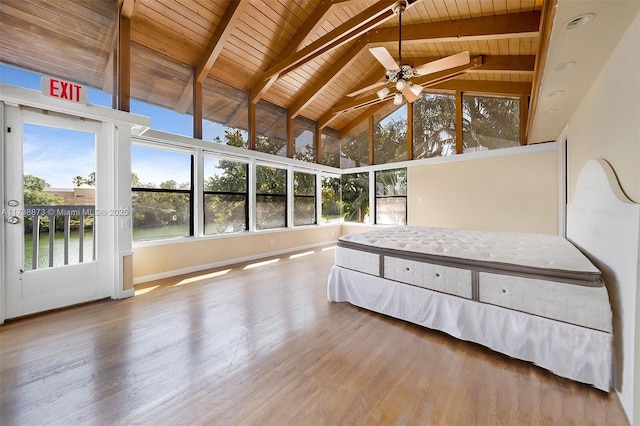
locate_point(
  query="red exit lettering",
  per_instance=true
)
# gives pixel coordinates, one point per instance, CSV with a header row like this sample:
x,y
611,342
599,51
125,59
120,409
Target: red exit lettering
x,y
61,89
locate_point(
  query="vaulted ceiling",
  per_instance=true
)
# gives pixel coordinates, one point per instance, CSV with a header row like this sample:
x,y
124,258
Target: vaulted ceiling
x,y
303,55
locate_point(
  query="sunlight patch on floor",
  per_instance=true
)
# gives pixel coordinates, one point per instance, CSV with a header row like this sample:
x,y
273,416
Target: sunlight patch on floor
x,y
202,277
263,263
306,253
145,290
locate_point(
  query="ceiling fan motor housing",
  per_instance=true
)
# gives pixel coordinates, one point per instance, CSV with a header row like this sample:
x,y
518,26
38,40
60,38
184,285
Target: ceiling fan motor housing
x,y
404,73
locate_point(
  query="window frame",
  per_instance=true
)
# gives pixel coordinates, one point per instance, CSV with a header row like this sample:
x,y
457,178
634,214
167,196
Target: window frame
x,y
304,196
254,182
247,198
380,197
191,191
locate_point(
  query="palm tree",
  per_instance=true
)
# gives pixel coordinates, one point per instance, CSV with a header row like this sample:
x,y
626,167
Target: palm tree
x,y
78,180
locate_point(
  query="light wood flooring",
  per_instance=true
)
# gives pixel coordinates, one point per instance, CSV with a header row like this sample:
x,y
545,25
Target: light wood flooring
x,y
262,346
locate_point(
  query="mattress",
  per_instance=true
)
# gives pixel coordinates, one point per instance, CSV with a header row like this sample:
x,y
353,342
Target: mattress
x,y
540,275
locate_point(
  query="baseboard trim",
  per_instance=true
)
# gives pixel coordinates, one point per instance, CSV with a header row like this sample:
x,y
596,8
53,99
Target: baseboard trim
x,y
213,265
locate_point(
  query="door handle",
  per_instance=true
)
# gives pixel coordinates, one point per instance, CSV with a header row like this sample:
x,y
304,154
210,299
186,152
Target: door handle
x,y
14,220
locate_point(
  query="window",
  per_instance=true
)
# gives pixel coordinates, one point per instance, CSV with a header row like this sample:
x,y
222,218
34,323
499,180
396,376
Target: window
x,y
391,137
225,112
226,196
271,197
271,129
331,204
354,148
304,133
355,197
330,148
304,199
490,123
162,193
391,197
434,126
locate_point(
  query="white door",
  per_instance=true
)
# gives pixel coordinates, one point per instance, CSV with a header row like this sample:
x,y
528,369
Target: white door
x,y
52,227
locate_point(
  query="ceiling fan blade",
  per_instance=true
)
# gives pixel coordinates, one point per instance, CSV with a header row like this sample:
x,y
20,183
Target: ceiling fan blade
x,y
367,88
452,61
384,57
409,95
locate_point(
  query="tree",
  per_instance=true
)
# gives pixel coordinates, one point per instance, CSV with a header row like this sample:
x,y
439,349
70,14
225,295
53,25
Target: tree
x,y
434,126
34,195
78,181
491,122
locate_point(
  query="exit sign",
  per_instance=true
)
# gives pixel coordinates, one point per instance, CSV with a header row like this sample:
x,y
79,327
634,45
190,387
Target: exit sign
x,y
62,89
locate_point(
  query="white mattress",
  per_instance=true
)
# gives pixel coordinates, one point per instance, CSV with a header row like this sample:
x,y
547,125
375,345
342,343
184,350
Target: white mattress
x,y
547,255
540,293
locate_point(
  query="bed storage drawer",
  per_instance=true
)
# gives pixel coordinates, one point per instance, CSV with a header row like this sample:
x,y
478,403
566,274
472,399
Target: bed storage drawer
x,y
356,260
580,305
435,277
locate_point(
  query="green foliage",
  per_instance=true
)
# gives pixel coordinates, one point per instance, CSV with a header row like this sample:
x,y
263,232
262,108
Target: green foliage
x,y
390,141
356,150
434,126
355,196
490,122
34,195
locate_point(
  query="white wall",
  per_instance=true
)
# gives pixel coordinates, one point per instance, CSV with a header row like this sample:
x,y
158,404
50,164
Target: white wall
x,y
506,193
606,125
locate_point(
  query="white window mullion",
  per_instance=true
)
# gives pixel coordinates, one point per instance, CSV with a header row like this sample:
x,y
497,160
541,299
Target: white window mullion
x,y
198,196
372,197
252,195
290,196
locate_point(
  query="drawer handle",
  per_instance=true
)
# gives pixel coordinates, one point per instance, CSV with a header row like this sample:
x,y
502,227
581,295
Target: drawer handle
x,y
437,275
408,269
504,290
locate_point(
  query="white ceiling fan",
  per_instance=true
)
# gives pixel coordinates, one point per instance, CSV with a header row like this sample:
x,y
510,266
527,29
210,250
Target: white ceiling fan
x,y
399,76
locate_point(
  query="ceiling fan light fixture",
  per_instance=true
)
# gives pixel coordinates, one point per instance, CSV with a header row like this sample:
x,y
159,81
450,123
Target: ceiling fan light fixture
x,y
416,89
397,98
400,84
382,93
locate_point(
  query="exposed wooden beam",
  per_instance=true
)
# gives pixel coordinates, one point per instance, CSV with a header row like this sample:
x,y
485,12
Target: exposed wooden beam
x,y
259,89
514,64
220,36
546,24
359,119
197,109
409,131
351,29
123,75
525,24
485,87
128,8
425,80
313,22
513,25
327,78
290,137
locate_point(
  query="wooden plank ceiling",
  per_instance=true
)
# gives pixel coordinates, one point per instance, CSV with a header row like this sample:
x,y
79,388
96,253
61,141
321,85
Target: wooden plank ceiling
x,y
303,55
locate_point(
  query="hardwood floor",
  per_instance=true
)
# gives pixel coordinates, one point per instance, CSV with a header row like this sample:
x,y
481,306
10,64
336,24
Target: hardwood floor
x,y
262,345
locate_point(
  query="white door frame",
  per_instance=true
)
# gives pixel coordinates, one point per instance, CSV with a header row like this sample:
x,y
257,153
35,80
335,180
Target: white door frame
x,y
113,167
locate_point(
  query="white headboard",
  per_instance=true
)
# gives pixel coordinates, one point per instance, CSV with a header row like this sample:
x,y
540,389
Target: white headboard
x,y
605,225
